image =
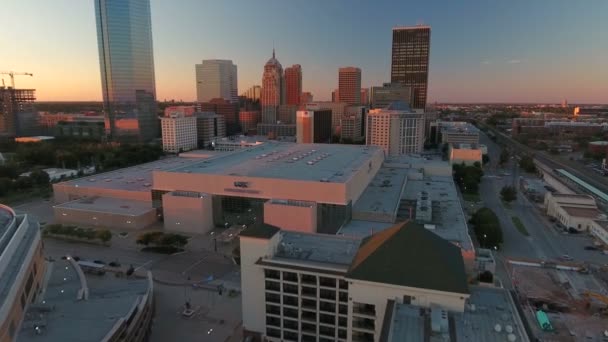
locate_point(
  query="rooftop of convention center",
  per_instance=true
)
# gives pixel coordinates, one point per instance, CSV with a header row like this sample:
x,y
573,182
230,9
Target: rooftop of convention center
x,y
61,317
134,178
306,162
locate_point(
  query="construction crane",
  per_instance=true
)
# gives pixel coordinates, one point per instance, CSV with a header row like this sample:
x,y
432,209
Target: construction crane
x,y
12,75
597,296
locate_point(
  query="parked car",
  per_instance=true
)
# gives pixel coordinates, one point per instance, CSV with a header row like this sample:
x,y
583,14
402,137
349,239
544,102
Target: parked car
x,y
101,262
566,257
591,248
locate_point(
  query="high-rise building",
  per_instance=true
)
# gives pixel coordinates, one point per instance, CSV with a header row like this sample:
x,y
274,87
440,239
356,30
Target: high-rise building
x,y
216,78
335,95
337,110
178,133
352,124
410,61
273,88
228,110
253,93
349,86
286,114
364,96
293,84
209,127
396,129
381,97
13,104
124,39
185,110
313,126
249,120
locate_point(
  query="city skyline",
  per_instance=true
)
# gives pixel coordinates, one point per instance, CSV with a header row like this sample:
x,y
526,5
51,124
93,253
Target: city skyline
x,y
503,51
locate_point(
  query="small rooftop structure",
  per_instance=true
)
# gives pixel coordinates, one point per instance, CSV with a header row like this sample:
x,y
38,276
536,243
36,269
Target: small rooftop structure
x,y
38,138
318,249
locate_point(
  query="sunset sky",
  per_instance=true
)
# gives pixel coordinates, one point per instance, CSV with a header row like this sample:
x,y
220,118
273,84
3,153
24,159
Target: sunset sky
x,y
481,51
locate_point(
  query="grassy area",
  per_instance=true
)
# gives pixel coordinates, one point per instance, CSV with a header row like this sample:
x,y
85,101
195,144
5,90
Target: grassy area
x,y
520,226
471,197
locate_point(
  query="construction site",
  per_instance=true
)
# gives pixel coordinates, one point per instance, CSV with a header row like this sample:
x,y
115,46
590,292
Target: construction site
x,y
562,302
14,102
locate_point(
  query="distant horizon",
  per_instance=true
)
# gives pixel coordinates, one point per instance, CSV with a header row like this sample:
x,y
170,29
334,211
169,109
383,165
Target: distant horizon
x,y
481,52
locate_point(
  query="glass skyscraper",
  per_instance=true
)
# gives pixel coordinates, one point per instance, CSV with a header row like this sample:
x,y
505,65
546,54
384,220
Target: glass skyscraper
x,y
124,38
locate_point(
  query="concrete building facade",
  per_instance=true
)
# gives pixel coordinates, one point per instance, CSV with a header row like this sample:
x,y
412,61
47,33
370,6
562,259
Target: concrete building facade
x,y
396,129
381,97
22,269
335,288
178,133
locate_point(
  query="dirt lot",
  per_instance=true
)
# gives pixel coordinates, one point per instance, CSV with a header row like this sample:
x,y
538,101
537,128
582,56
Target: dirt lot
x,y
561,295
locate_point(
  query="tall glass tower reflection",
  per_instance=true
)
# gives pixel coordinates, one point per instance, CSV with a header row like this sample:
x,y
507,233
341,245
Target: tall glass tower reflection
x,y
124,38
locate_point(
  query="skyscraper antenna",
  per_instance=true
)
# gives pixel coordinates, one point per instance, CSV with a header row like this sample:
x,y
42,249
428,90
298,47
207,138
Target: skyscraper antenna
x,y
273,49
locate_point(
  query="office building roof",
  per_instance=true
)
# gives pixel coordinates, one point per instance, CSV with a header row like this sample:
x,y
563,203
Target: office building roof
x,y
306,162
64,318
592,213
460,127
317,249
486,308
383,192
106,205
260,231
409,255
448,217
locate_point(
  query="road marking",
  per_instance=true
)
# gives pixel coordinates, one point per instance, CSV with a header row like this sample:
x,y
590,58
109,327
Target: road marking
x,y
148,262
194,265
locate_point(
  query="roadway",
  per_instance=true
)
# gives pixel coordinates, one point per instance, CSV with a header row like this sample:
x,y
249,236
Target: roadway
x,y
555,162
544,242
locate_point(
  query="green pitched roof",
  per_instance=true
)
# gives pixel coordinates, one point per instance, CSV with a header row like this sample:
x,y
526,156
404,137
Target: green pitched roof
x,y
260,231
408,254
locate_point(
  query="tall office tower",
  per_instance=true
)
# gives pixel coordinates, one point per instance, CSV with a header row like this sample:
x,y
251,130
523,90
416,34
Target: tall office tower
x,y
272,89
178,133
396,129
364,96
15,104
349,86
253,93
335,96
216,78
410,61
381,97
293,84
313,126
209,127
124,39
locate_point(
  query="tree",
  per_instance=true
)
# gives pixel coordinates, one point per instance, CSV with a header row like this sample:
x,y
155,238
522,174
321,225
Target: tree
x,y
504,157
40,178
527,164
508,193
6,185
487,228
104,235
485,159
148,238
468,177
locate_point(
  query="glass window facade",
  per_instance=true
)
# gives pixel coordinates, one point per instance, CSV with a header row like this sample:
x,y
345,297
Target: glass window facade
x,y
124,37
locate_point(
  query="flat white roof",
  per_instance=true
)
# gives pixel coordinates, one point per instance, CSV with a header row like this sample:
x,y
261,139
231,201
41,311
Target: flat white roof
x,y
317,162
